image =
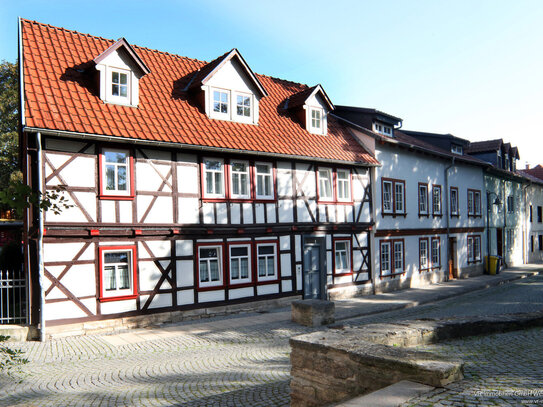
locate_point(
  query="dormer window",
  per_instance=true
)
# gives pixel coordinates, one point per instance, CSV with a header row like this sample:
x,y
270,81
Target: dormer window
x,y
119,84
220,102
382,129
243,107
315,119
456,149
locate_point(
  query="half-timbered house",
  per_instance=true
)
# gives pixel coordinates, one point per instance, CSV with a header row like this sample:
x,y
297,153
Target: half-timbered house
x,y
194,185
428,205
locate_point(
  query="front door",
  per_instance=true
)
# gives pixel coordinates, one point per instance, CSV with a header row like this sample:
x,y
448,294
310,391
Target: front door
x,y
499,241
313,268
453,267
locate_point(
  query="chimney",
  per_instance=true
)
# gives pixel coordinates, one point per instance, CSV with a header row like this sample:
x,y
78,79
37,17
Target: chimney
x,y
527,165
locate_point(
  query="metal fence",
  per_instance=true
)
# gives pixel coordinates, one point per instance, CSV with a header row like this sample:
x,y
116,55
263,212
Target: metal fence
x,y
13,297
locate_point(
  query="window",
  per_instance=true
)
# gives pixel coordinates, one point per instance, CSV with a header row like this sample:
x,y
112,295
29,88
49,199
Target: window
x,y
243,106
474,202
392,257
393,196
454,201
116,169
540,242
239,180
220,102
539,214
436,200
325,184
343,185
532,243
210,266
382,129
213,178
510,204
436,252
240,263
423,254
423,199
119,84
342,256
499,160
531,214
509,238
474,249
266,261
456,149
315,119
117,272
264,181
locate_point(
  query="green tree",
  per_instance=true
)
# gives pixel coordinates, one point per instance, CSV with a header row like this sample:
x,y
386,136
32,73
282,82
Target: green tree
x,y
9,119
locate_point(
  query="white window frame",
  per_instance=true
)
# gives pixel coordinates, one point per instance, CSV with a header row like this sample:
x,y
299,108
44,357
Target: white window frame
x,y
240,280
340,185
262,176
331,181
471,203
423,254
440,209
396,244
118,292
247,173
205,171
477,202
435,264
121,100
453,202
266,277
457,149
398,202
127,165
388,200
385,260
347,252
423,203
219,114
316,129
209,282
242,117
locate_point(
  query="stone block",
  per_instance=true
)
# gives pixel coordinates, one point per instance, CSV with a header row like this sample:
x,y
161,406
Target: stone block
x,y
313,312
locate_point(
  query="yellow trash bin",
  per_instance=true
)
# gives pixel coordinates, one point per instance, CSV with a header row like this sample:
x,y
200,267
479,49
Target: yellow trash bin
x,y
493,266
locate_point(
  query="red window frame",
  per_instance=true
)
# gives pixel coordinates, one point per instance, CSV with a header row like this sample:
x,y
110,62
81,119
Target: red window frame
x,y
432,240
476,256
427,213
224,268
391,258
476,193
440,212
393,181
334,185
227,173
457,212
134,251
101,174
342,239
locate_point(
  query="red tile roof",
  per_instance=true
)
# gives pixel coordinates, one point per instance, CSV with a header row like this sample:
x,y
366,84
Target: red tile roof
x,y
537,172
60,94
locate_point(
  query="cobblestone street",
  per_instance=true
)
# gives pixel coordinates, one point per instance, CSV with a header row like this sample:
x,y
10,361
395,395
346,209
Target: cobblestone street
x,y
243,360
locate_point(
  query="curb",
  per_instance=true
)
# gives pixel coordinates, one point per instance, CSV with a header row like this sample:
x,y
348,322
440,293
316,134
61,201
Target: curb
x,y
412,304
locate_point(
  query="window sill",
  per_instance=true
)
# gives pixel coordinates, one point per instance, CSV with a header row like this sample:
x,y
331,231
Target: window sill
x,y
455,215
118,298
392,214
236,200
211,287
471,215
392,274
424,215
349,273
116,197
437,215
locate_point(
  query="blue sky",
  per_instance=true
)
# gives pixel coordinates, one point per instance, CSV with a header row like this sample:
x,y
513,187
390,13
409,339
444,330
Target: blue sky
x,y
471,68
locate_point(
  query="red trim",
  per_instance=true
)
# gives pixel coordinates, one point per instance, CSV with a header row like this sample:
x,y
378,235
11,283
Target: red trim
x,y
277,261
438,266
440,212
457,213
393,183
134,253
391,257
342,239
94,232
427,255
102,194
476,202
334,186
427,213
477,258
223,270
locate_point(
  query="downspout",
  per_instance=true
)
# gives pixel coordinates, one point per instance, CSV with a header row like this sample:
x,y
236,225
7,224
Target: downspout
x,y
448,207
372,233
40,241
525,239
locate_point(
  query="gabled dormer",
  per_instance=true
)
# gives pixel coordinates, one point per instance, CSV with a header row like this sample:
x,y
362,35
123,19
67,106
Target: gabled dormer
x,y
371,119
120,70
228,89
311,106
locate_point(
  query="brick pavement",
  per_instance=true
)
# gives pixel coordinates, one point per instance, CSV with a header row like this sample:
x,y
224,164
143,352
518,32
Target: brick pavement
x,y
242,360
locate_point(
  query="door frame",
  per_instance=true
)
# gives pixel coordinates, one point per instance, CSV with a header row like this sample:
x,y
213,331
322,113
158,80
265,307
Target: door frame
x,y
319,241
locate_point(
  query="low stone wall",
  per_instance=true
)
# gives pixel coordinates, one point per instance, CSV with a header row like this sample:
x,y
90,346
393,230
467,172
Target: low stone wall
x,y
313,312
342,363
142,321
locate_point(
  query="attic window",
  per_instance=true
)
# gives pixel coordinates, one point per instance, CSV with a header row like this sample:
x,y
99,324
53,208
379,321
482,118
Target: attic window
x,y
456,149
220,102
119,86
243,106
382,129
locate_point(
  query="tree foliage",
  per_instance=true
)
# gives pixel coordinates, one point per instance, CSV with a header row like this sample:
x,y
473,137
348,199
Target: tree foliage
x,y
9,141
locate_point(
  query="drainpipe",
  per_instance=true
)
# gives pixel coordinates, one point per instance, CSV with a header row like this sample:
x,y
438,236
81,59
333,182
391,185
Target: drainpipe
x,y
448,207
40,241
371,236
525,239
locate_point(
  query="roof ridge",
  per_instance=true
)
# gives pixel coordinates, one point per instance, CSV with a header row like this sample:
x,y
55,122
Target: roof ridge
x,y
66,29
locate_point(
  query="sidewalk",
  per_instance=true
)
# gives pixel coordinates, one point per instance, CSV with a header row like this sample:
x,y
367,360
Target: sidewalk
x,y
344,309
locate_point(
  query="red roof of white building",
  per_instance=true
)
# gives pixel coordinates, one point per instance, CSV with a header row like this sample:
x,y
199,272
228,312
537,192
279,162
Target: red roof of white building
x,y
61,93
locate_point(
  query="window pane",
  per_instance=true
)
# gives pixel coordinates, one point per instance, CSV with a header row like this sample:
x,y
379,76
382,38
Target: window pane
x,y
235,184
116,257
271,266
124,278
267,186
109,278
208,253
261,266
209,182
122,178
234,269
115,77
117,157
244,184
265,250
263,169
214,270
238,251
124,79
259,185
110,177
124,91
218,182
244,268
115,90
204,273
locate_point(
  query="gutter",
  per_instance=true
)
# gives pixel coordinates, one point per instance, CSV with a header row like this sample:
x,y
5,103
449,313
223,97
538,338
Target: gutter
x,y
114,139
41,267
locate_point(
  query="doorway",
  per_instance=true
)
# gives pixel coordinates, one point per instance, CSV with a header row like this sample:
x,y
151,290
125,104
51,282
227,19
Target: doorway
x,y
314,268
453,262
499,242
